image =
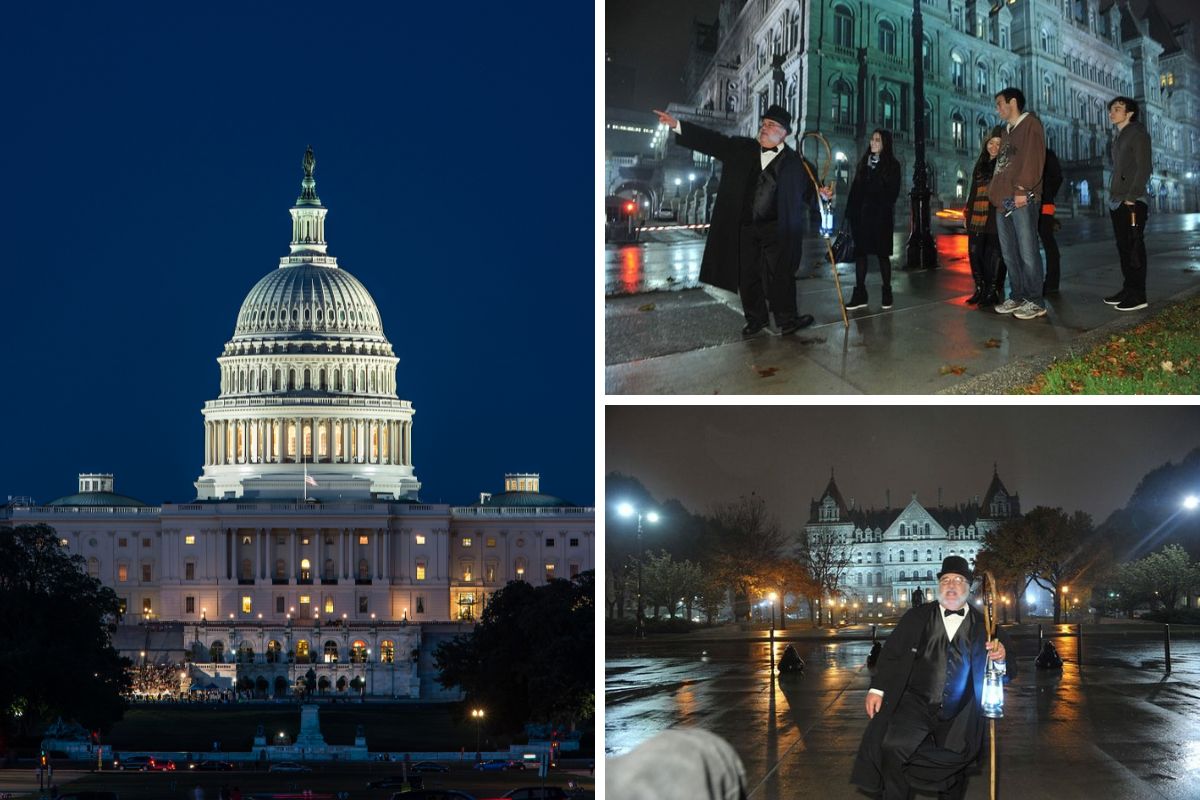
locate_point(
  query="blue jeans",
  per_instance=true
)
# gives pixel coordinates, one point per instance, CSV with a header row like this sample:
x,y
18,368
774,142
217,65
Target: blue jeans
x,y
1018,235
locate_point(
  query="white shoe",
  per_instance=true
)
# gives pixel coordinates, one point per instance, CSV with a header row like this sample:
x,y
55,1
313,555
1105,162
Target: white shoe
x,y
1029,310
1007,307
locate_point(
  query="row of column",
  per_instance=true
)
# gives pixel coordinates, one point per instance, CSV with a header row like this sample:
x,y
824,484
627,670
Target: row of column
x,y
319,440
379,553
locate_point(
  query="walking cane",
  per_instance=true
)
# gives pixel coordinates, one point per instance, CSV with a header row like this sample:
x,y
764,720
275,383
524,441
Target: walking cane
x,y
992,699
817,187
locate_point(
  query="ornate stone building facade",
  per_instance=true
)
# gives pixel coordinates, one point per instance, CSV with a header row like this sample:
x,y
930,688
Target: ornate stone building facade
x,y
307,546
893,552
845,67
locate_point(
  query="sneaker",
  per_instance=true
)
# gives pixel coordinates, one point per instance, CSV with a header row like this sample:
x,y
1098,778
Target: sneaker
x,y
1131,304
1029,310
1008,306
858,299
1114,299
887,296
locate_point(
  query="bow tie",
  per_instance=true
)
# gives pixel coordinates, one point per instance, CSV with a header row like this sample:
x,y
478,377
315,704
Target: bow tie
x,y
962,612
770,149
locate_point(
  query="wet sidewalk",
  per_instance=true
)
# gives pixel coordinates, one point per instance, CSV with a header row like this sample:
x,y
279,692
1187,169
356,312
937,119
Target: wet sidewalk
x,y
688,340
1119,726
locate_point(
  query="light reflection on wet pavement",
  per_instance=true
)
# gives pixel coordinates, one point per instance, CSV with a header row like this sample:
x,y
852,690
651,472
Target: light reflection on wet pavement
x,y
1121,729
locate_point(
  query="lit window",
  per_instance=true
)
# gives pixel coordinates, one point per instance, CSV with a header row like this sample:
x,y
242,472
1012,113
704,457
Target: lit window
x,y
467,574
491,541
466,542
387,651
363,539
304,540
64,542
122,573
328,605
549,571
420,572
247,605
189,539
146,609
305,599
245,540
420,538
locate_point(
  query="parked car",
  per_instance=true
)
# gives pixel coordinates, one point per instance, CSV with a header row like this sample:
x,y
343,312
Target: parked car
x,y
433,794
219,766
428,766
396,782
145,764
160,765
498,765
289,766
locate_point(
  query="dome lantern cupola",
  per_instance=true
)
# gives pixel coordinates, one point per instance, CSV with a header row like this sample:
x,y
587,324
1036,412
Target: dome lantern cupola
x,y
308,218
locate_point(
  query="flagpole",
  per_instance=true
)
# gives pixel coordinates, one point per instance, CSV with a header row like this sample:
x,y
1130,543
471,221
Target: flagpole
x,y
304,460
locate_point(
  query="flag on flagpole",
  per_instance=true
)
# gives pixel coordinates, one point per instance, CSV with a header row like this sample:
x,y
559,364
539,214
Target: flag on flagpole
x,y
310,480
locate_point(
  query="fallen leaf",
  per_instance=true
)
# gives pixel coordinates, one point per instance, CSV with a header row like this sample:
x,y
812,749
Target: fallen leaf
x,y
647,307
992,343
1168,366
952,369
766,372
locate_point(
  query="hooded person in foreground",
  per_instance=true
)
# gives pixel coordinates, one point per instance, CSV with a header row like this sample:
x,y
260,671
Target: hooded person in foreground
x,y
926,720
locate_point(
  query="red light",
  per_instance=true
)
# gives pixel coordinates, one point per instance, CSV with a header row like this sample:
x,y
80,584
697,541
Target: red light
x,y
629,207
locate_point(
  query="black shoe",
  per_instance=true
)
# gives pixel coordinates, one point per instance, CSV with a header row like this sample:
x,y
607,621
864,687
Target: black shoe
x,y
1114,299
1131,303
753,328
802,321
858,298
973,299
989,298
887,296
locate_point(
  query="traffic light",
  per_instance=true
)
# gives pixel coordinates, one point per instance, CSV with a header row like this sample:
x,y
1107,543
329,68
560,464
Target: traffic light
x,y
630,207
42,759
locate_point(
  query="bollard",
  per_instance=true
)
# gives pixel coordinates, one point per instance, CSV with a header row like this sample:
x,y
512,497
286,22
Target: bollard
x,y
873,633
1167,645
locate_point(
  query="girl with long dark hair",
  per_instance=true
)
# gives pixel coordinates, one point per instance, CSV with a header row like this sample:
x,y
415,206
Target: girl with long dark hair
x,y
871,211
983,246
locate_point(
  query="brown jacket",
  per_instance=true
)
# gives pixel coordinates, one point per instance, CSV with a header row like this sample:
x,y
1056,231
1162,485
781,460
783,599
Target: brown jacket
x,y
1021,161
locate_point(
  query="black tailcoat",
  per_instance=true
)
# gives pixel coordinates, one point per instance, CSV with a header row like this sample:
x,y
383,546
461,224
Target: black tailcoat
x,y
741,165
894,668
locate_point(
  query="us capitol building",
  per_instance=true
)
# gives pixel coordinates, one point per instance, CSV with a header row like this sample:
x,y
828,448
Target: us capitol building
x,y
307,549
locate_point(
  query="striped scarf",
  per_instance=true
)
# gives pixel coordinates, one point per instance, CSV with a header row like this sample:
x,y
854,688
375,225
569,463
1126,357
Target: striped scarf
x,y
977,214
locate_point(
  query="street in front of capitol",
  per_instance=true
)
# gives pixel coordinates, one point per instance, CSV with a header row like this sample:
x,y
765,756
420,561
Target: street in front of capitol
x,y
665,333
1118,727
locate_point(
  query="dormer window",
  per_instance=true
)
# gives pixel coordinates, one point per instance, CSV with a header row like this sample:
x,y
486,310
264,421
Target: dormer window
x,y
829,510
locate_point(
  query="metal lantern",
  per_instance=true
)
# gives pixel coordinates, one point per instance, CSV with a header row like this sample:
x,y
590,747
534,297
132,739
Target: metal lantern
x,y
993,692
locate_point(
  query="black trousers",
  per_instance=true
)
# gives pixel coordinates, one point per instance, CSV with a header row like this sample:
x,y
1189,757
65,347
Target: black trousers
x,y
1129,228
983,253
1046,234
764,283
914,728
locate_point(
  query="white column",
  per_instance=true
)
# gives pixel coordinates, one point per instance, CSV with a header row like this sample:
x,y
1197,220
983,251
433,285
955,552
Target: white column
x,y
387,553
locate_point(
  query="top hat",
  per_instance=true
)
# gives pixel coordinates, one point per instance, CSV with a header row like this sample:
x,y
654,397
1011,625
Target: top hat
x,y
956,565
780,115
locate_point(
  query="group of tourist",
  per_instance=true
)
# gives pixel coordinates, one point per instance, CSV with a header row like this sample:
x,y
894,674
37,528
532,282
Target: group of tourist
x,y
770,197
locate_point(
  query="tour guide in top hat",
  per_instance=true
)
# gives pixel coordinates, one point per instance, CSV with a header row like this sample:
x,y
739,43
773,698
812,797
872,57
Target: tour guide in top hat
x,y
759,219
927,721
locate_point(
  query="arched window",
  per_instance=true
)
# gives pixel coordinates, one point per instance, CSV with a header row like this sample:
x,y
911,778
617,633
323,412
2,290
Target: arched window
x,y
843,27
305,569
984,129
358,652
926,54
981,78
887,37
958,71
901,561
216,651
960,186
328,604
859,579
245,654
331,652
843,102
387,651
887,110
273,651
330,572
93,567
915,557
930,134
1048,92
247,569
902,571
364,569
302,654
958,131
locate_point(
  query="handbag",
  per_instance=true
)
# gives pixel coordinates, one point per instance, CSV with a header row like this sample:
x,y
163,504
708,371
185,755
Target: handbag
x,y
843,245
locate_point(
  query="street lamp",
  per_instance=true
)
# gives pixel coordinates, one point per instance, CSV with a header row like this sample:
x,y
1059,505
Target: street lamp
x,y
1191,502
627,510
1066,600
772,597
477,715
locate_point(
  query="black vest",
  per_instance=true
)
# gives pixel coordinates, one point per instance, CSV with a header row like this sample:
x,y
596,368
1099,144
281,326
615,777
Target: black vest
x,y
942,672
764,205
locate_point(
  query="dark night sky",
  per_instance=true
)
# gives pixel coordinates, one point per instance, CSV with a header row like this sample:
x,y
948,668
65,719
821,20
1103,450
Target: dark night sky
x,y
1088,458
653,36
151,152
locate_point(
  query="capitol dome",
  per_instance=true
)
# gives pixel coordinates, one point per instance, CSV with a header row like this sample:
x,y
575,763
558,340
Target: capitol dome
x,y
308,405
301,300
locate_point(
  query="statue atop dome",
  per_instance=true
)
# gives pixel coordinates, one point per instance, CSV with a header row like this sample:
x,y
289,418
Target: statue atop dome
x,y
310,162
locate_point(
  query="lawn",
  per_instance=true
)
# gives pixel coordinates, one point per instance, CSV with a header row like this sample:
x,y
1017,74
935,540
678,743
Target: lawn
x,y
1160,356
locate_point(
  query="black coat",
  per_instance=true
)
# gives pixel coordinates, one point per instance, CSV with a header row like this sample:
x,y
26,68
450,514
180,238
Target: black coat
x,y
895,665
740,157
871,208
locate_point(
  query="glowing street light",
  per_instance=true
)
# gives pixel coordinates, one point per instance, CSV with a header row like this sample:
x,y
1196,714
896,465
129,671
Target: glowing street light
x,y
627,510
477,715
1191,502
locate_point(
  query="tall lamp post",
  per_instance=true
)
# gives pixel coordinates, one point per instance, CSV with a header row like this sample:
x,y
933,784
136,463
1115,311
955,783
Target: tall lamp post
x,y
922,253
477,715
772,597
627,510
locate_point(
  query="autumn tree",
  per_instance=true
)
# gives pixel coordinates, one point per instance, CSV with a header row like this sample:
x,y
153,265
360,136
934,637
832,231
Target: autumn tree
x,y
826,557
746,542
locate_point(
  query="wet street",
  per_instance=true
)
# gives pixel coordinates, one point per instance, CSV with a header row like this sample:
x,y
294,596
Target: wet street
x,y
1117,727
